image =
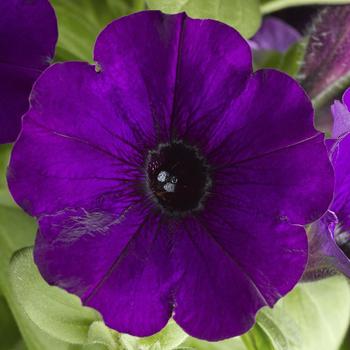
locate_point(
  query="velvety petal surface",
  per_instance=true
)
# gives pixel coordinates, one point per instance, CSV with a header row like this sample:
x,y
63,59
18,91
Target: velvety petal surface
x,y
76,247
341,162
28,35
269,142
346,98
191,71
121,266
274,35
341,119
271,113
240,267
131,96
78,156
341,115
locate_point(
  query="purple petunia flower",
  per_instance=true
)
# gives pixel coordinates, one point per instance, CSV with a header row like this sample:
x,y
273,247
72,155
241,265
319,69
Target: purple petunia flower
x,y
341,115
330,236
28,35
169,179
274,35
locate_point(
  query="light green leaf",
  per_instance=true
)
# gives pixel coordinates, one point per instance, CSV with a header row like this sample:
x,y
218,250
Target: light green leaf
x,y
288,62
80,21
314,316
243,15
101,337
16,231
276,5
169,338
229,344
5,197
53,310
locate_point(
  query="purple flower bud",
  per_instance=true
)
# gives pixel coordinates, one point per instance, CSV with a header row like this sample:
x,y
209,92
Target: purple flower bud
x,y
274,35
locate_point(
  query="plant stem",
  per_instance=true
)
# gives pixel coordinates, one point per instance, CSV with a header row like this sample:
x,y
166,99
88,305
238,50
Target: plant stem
x,y
276,5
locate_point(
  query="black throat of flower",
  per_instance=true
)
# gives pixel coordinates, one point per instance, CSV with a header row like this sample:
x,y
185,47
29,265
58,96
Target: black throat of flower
x,y
178,177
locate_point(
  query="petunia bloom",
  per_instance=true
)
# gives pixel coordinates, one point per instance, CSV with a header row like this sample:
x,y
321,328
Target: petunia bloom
x,y
169,179
341,115
330,236
28,35
274,35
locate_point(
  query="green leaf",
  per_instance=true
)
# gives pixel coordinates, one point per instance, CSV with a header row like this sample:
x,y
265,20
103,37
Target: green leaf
x,y
80,21
16,231
5,197
288,62
10,337
100,337
269,6
169,338
229,344
53,310
314,316
243,15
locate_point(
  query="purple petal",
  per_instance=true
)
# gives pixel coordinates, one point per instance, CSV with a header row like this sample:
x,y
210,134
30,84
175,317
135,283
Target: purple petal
x,y
76,247
28,35
270,122
329,236
102,258
280,184
78,156
341,119
172,72
274,35
341,115
271,113
225,282
346,98
341,163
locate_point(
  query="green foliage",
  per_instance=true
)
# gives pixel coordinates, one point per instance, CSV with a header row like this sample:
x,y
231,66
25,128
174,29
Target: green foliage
x,y
229,344
80,22
268,6
5,197
288,62
314,316
56,312
244,15
169,338
9,333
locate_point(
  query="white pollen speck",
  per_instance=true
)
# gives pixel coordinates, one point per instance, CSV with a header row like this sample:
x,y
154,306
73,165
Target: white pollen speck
x,y
169,187
173,180
162,176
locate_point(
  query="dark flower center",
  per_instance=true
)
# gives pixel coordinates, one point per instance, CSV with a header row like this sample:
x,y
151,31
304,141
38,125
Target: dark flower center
x,y
342,238
178,176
